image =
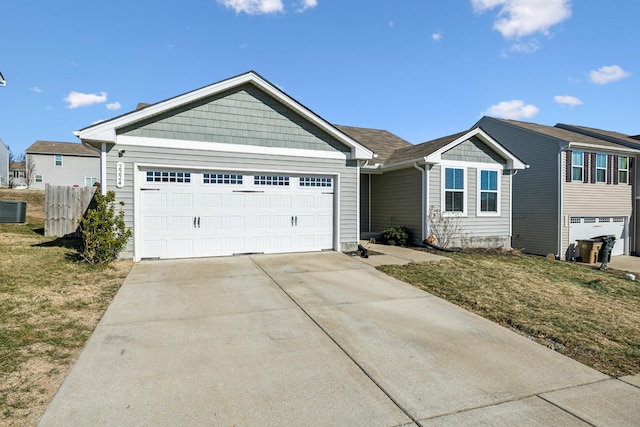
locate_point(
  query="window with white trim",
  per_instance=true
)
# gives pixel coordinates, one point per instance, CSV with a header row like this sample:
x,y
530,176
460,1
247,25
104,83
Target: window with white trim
x,y
601,167
276,180
38,178
89,181
222,178
454,190
577,163
57,160
488,191
623,169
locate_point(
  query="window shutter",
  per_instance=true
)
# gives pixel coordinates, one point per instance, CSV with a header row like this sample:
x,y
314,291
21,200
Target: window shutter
x,y
568,153
615,170
609,168
593,168
631,176
585,167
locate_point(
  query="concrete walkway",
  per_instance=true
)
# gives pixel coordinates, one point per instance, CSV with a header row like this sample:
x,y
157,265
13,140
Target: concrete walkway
x,y
318,339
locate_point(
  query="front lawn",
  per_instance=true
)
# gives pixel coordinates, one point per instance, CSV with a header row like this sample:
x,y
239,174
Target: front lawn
x,y
49,306
589,315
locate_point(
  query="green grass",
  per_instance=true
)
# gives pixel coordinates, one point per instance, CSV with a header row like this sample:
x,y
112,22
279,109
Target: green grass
x,y
49,305
589,315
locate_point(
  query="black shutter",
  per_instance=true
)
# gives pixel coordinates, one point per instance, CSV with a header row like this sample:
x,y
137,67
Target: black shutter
x,y
585,167
594,172
569,153
630,175
615,170
609,168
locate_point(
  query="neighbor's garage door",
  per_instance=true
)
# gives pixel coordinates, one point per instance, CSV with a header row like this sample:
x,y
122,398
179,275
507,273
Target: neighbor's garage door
x,y
582,228
194,214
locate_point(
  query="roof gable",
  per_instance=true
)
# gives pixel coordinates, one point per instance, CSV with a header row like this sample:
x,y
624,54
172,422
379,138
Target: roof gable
x,y
108,130
431,152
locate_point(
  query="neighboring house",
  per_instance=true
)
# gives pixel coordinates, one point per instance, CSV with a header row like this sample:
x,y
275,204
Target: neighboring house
x,y
4,164
578,186
466,176
234,167
17,174
62,163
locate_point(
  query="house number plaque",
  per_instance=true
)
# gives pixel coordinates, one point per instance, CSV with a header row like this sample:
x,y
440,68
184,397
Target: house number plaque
x,y
120,175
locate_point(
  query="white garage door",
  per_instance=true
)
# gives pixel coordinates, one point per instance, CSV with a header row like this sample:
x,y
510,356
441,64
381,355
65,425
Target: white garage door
x,y
195,214
582,228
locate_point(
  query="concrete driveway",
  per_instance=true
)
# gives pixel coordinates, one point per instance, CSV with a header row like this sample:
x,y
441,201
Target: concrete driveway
x,y
318,339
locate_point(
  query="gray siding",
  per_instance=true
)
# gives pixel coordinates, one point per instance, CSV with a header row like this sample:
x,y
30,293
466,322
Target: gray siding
x,y
476,231
73,171
396,200
535,190
245,115
473,150
4,165
236,161
365,226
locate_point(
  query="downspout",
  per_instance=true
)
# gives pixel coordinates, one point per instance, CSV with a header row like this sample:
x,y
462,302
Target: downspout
x,y
423,201
563,148
369,203
103,168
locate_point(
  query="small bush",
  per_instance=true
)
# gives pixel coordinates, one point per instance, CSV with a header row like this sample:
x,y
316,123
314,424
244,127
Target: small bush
x,y
104,234
396,236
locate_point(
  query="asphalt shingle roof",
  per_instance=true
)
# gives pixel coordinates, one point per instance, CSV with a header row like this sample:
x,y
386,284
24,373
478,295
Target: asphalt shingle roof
x,y
55,147
562,134
422,150
381,142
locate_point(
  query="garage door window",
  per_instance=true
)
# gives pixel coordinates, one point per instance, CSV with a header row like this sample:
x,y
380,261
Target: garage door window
x,y
277,180
311,181
169,176
222,178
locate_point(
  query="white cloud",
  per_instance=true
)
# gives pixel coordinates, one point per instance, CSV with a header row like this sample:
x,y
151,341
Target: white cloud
x,y
254,7
307,4
515,109
567,100
608,74
436,36
35,89
113,106
518,18
77,99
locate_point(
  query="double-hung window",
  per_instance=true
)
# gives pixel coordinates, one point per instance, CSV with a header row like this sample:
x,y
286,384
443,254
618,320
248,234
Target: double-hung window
x,y
577,162
454,190
601,167
488,192
623,169
57,160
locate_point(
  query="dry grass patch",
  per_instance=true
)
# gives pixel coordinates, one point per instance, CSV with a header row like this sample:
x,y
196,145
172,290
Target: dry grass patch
x,y
49,306
589,315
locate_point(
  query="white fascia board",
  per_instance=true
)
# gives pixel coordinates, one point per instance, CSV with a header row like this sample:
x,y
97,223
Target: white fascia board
x,y
106,132
603,149
140,141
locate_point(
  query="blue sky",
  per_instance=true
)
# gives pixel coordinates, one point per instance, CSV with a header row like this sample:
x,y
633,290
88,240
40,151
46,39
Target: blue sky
x,y
421,69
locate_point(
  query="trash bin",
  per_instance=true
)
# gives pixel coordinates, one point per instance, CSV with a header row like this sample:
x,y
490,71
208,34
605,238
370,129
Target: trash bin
x,y
589,250
608,241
